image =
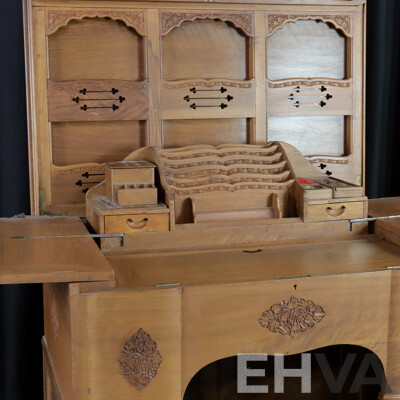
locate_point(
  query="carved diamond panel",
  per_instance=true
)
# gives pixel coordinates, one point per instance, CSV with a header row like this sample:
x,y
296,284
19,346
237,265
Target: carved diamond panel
x,y
140,359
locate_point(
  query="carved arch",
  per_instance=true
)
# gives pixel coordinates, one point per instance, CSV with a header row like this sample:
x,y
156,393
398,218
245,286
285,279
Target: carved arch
x,y
340,22
242,20
132,19
350,347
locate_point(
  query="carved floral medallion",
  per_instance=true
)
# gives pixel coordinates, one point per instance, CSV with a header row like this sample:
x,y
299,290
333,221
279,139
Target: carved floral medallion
x,y
140,359
291,317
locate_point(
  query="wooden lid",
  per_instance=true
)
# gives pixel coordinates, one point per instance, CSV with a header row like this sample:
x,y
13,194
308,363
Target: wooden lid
x,y
40,250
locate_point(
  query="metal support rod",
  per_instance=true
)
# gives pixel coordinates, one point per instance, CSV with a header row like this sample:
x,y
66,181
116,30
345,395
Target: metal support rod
x,y
121,236
371,219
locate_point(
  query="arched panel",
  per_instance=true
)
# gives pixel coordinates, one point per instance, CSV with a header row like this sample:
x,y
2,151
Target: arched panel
x,y
219,380
96,48
307,48
205,49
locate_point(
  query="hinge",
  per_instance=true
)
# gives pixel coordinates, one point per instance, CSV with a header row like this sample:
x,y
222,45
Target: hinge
x,y
42,206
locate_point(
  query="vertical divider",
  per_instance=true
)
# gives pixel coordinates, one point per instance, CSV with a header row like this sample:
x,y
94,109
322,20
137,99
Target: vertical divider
x,y
40,128
154,74
260,133
357,120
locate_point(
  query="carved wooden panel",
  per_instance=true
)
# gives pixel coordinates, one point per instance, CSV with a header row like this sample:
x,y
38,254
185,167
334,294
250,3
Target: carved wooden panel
x,y
98,100
58,18
341,22
243,20
140,359
200,98
291,317
70,184
302,97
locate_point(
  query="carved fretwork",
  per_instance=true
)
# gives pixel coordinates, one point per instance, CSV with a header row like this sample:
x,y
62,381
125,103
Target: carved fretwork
x,y
58,18
242,20
341,22
291,317
140,359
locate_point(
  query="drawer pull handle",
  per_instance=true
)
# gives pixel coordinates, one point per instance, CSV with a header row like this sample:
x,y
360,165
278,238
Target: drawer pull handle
x,y
137,225
336,213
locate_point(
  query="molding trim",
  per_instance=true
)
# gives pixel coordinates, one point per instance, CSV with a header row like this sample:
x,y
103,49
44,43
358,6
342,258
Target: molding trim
x,y
243,20
278,21
59,18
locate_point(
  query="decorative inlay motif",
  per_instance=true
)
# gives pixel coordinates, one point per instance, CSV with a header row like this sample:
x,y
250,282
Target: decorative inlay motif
x,y
140,359
58,18
291,317
308,83
242,20
277,21
338,161
207,84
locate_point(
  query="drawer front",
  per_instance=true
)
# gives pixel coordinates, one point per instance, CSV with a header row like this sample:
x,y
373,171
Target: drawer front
x,y
131,223
335,211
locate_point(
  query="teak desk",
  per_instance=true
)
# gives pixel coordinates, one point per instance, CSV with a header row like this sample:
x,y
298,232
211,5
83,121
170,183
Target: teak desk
x,y
216,150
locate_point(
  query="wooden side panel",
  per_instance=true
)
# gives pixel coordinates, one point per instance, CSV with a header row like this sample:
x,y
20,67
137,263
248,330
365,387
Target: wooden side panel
x,y
57,329
393,366
104,323
224,320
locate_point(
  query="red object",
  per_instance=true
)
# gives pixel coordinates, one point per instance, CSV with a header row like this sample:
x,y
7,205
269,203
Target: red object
x,y
305,181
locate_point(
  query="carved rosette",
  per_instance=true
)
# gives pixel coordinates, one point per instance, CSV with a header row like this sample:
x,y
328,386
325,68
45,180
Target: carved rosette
x,y
242,20
291,317
277,21
58,18
140,359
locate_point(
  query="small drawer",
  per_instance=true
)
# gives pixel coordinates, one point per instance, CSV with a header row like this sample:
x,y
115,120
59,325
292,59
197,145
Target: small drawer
x,y
335,211
131,223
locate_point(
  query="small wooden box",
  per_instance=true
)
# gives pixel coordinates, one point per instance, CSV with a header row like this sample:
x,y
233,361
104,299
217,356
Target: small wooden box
x,y
136,194
120,174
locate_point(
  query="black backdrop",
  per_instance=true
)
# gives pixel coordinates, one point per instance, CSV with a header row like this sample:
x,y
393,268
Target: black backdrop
x,y
21,319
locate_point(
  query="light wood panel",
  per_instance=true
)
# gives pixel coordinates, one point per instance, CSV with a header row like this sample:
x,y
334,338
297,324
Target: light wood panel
x,y
224,319
310,135
180,133
185,57
107,320
98,100
241,264
57,328
306,49
85,142
49,259
96,49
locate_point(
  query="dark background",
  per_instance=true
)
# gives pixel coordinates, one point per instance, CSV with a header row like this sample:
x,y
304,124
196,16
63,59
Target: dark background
x,y
21,319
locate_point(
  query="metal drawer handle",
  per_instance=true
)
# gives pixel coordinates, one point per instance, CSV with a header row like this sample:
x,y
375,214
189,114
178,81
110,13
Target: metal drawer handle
x,y
137,225
336,213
